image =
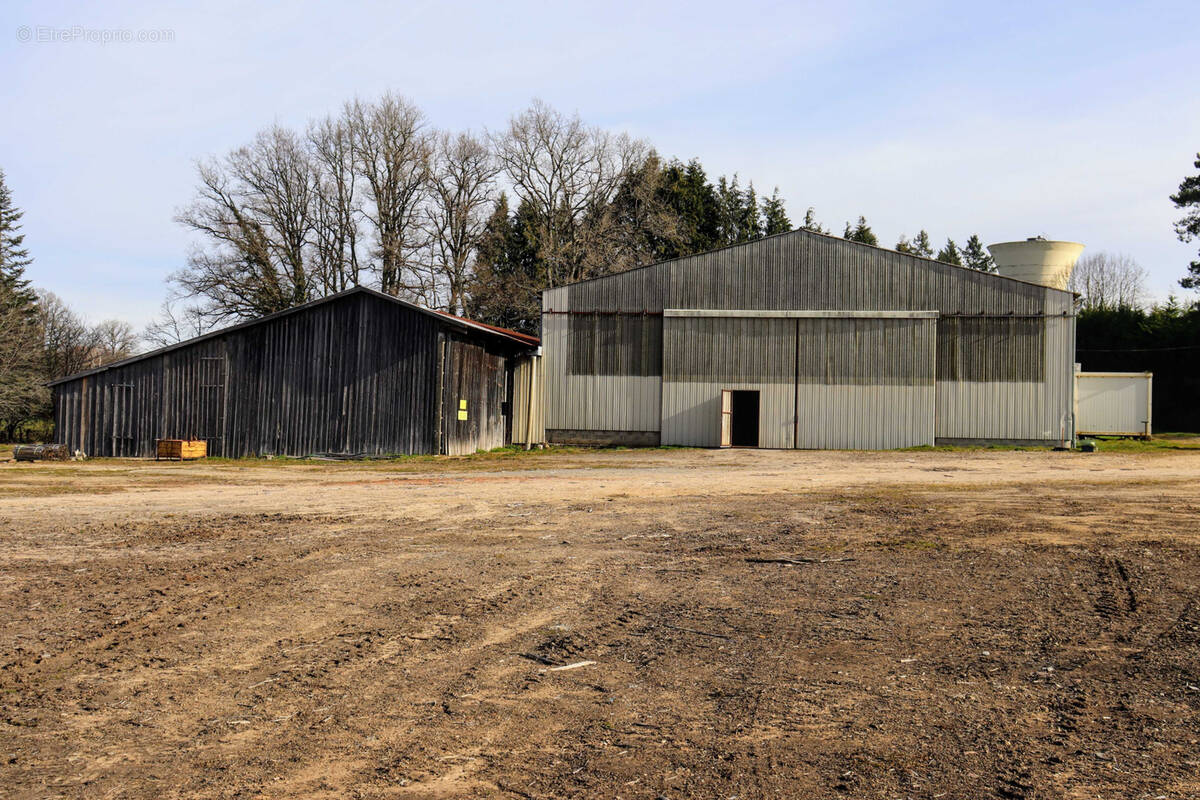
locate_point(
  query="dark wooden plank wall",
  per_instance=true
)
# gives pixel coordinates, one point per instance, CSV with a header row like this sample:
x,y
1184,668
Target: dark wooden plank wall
x,y
355,375
478,377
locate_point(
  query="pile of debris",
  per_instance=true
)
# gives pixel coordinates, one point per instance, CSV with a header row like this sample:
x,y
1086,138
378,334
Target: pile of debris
x,y
43,452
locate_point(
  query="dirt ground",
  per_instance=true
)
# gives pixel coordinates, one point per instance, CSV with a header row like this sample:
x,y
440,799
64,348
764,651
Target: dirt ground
x,y
948,624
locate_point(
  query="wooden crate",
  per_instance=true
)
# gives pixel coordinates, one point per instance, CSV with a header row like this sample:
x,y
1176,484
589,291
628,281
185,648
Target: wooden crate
x,y
181,449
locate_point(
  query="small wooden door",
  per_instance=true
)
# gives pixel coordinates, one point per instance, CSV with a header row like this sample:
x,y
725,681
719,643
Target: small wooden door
x,y
473,392
726,418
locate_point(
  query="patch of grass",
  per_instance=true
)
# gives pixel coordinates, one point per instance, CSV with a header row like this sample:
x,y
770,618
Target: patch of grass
x,y
514,455
1159,443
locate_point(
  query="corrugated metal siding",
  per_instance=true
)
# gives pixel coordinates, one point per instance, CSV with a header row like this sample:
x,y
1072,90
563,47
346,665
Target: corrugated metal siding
x,y
802,270
356,374
691,413
807,271
1114,403
862,417
529,403
702,356
1021,410
591,402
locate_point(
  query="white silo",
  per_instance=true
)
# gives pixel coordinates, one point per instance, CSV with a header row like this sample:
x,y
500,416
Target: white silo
x,y
1037,260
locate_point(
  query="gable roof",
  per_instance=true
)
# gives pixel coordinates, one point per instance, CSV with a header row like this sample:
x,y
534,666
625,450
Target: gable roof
x,y
523,340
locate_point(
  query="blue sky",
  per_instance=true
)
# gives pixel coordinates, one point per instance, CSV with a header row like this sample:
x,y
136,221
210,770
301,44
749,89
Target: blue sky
x,y
1071,120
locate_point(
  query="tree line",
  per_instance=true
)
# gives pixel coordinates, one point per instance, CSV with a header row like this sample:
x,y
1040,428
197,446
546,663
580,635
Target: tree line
x,y
469,223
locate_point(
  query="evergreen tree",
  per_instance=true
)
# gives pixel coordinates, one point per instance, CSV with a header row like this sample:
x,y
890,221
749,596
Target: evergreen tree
x,y
1188,227
22,368
729,205
921,246
14,257
508,274
861,233
904,245
749,223
950,254
774,215
638,225
976,256
685,189
811,224
738,213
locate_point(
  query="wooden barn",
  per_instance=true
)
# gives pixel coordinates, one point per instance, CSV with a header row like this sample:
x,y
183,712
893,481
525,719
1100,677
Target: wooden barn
x,y
356,373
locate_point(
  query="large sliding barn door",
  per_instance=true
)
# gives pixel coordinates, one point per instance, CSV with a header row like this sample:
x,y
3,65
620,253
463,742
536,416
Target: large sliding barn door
x,y
865,381
854,380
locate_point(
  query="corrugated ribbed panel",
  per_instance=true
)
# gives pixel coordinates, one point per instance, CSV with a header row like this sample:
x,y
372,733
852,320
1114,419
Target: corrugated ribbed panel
x,y
1024,410
803,270
864,417
529,391
1114,403
691,413
593,402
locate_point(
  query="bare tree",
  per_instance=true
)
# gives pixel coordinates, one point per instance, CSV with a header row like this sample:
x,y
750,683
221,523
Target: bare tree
x,y
1108,281
114,340
462,189
279,185
68,342
337,209
634,227
392,151
255,211
567,172
235,277
177,321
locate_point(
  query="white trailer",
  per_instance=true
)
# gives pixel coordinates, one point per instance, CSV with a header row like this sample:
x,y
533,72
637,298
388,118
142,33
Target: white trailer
x,y
1113,403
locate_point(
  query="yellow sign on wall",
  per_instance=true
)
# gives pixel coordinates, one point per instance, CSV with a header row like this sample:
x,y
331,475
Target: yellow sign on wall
x,y
462,409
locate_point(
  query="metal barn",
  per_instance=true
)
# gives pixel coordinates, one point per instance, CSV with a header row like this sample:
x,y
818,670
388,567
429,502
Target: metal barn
x,y
807,341
358,372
